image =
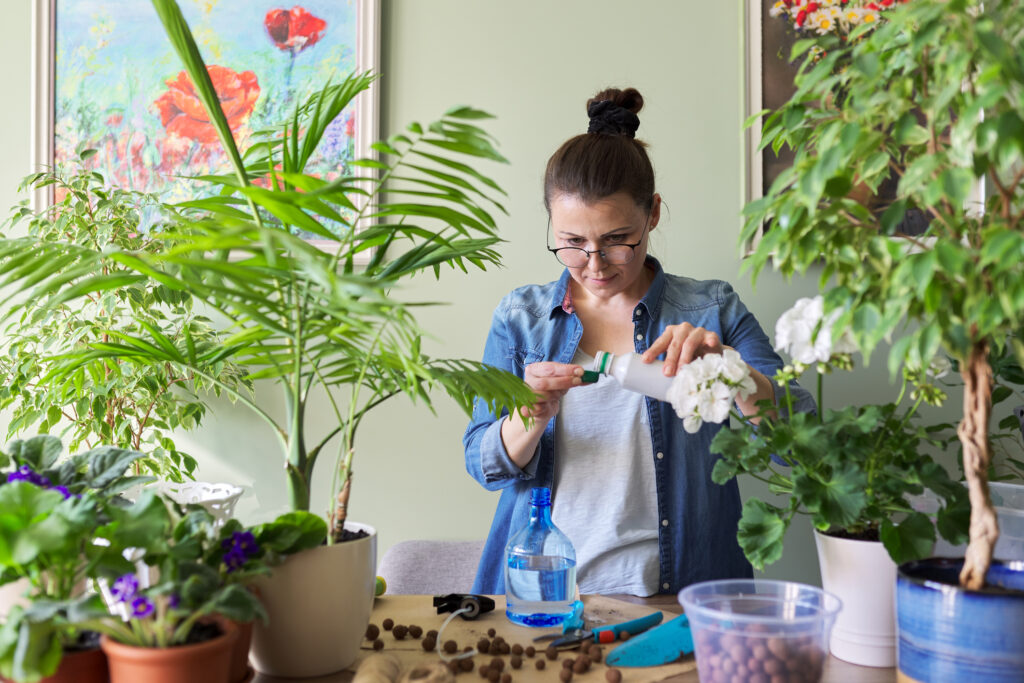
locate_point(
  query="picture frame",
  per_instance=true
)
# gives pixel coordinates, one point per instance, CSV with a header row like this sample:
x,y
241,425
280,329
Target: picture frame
x,y
362,127
768,84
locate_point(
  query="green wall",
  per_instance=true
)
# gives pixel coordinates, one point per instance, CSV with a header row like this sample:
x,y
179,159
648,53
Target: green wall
x,y
533,63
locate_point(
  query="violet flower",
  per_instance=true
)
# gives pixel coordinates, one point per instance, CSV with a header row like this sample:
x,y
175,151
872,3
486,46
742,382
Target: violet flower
x,y
125,587
142,607
239,548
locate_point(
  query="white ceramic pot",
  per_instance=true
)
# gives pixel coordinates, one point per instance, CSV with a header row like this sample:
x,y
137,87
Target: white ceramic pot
x,y
863,576
319,604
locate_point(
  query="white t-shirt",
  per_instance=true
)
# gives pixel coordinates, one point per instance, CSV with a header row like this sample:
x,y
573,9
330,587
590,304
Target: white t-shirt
x,y
604,496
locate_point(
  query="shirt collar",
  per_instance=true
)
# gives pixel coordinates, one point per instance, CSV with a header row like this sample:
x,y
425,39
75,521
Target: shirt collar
x,y
561,295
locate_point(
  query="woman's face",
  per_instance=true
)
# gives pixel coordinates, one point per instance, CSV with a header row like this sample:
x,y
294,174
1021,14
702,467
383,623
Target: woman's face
x,y
616,219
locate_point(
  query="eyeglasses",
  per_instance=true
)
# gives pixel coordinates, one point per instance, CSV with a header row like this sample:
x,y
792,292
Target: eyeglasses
x,y
614,254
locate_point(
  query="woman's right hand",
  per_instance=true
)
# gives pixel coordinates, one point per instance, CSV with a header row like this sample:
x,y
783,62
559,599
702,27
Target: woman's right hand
x,y
551,381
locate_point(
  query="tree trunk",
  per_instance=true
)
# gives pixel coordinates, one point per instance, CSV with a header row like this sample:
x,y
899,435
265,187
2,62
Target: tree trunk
x,y
973,433
341,509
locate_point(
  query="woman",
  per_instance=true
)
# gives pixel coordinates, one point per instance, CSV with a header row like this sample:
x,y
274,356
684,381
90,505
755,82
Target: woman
x,y
630,488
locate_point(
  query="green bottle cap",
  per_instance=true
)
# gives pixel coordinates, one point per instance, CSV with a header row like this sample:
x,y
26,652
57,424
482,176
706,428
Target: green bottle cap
x,y
590,376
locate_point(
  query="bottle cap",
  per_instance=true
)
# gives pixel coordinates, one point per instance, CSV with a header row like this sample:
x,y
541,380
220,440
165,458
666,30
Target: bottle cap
x,y
590,376
602,360
540,496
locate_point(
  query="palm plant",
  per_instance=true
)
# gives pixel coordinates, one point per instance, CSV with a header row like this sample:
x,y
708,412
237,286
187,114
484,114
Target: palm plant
x,y
303,317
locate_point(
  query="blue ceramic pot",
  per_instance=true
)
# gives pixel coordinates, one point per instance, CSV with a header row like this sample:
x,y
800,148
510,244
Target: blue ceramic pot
x,y
947,633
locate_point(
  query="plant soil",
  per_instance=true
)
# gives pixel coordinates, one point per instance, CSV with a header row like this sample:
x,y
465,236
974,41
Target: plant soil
x,y
867,535
348,535
202,632
86,640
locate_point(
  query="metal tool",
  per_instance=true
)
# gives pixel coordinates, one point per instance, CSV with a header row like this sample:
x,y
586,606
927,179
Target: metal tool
x,y
660,645
606,634
475,604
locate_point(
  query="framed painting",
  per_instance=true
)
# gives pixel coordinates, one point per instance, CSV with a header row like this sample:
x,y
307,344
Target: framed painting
x,y
107,79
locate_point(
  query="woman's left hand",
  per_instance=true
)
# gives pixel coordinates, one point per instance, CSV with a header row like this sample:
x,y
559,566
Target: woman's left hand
x,y
681,344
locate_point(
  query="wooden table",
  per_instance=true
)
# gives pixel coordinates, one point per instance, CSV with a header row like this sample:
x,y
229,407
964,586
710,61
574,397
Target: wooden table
x,y
418,609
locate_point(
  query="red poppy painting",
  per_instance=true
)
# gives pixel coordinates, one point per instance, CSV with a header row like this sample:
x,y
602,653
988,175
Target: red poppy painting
x,y
120,89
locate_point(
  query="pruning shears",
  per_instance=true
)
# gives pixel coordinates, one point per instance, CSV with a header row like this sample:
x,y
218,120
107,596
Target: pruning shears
x,y
574,631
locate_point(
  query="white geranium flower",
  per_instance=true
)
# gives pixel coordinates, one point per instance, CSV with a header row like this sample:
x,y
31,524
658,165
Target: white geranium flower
x,y
805,333
704,389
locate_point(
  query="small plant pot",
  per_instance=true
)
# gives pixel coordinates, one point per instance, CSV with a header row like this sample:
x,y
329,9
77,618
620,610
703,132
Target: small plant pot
x,y
240,670
78,666
206,662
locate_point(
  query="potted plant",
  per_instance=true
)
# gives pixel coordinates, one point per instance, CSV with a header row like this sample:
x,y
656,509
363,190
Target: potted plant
x,y
856,471
50,511
182,627
104,400
309,319
931,95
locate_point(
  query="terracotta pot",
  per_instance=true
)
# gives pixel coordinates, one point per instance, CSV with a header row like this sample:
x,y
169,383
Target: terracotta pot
x,y
240,653
206,662
318,603
79,666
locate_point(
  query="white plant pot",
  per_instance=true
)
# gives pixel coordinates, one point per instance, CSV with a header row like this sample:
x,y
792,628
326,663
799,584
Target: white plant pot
x,y
319,603
218,498
863,576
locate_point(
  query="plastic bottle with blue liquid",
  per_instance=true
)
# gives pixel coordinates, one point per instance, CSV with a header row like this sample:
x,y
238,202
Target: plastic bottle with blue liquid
x,y
540,569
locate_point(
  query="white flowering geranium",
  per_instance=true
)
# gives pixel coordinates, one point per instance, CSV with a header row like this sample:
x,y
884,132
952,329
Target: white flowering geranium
x,y
704,389
805,333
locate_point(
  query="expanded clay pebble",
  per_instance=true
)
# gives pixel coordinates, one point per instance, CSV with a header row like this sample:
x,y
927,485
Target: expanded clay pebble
x,y
517,649
428,644
399,631
372,631
378,644
567,663
623,635
415,631
530,650
491,632
497,664
551,653
466,664
493,676
388,624
432,633
484,670
595,654
515,661
540,664
483,646
565,675
506,678
581,665
613,675
450,646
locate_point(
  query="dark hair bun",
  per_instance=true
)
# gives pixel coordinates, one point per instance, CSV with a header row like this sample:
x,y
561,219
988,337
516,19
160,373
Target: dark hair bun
x,y
629,99
614,112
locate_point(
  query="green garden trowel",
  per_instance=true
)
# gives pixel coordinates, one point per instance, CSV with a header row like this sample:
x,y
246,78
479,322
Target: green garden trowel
x,y
660,645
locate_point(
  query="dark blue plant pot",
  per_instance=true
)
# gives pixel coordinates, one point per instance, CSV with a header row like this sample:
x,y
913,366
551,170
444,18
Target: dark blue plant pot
x,y
947,633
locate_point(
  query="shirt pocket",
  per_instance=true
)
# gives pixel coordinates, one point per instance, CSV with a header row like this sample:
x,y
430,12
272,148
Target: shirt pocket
x,y
522,357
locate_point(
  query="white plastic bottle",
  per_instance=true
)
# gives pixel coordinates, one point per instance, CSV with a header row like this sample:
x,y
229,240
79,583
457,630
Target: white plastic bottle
x,y
634,374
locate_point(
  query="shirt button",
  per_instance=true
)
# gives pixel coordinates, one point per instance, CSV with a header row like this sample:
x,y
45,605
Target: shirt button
x,y
640,335
665,586
664,522
660,455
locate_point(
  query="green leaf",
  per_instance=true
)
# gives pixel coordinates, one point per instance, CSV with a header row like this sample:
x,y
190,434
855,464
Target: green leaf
x,y
836,500
291,533
911,539
761,530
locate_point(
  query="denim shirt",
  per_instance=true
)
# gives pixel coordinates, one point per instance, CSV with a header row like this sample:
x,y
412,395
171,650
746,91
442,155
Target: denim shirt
x,y
697,535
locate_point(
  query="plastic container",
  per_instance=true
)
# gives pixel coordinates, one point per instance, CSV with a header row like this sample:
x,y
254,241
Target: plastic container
x,y
758,629
540,569
1008,500
634,374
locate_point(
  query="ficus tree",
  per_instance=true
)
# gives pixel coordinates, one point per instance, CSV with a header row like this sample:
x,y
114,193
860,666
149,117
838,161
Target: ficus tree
x,y
933,98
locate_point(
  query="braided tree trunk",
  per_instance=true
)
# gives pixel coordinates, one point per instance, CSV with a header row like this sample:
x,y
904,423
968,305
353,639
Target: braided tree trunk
x,y
973,433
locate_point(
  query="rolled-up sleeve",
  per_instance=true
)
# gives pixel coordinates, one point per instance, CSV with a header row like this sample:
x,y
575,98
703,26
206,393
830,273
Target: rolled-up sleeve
x,y
487,460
